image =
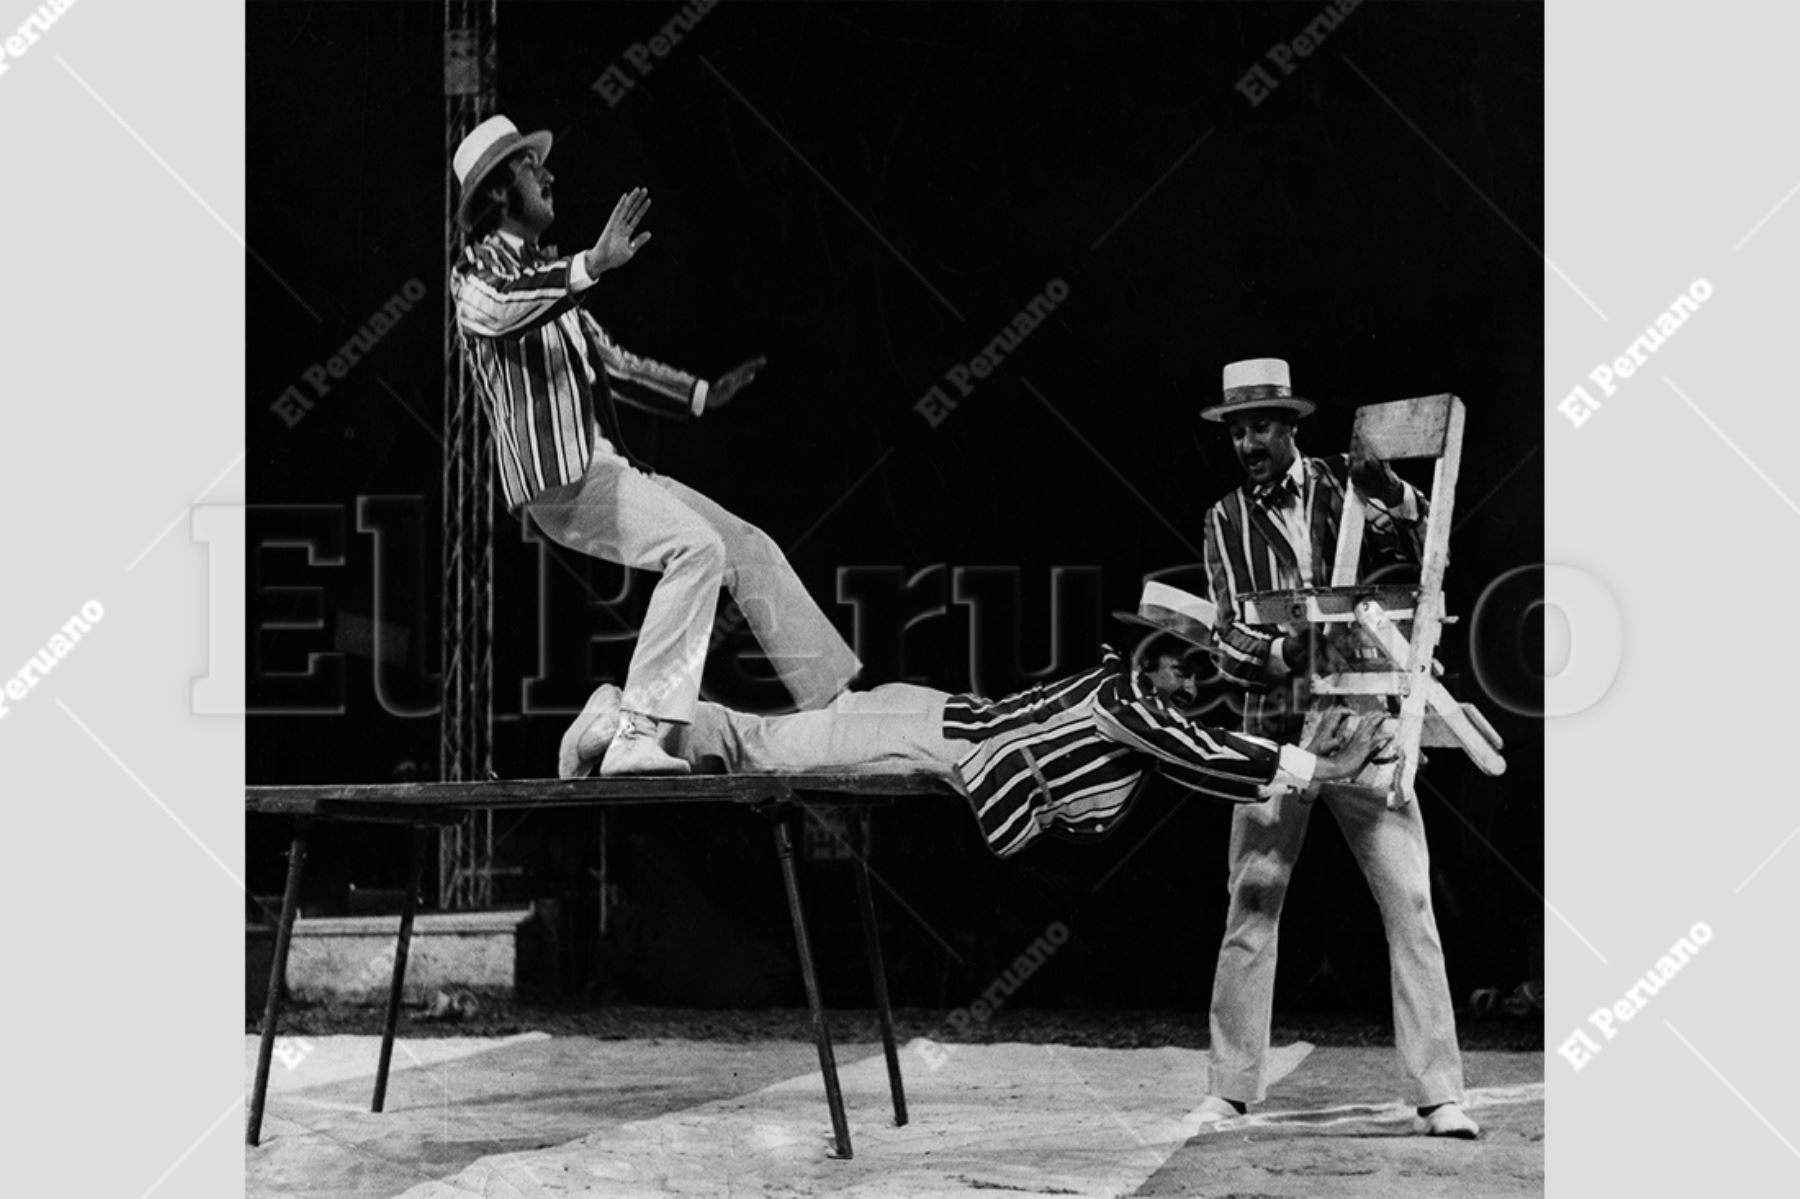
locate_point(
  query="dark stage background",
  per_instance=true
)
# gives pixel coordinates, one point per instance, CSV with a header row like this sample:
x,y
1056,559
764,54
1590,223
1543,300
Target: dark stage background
x,y
868,194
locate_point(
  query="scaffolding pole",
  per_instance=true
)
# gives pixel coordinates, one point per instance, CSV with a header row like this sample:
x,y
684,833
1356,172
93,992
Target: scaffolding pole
x,y
466,752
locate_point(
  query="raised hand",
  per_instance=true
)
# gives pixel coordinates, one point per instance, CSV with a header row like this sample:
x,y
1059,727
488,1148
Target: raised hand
x,y
620,239
1373,477
732,382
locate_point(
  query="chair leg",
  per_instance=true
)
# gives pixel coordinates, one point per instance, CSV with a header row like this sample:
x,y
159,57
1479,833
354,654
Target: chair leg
x,y
284,932
834,1096
414,873
877,970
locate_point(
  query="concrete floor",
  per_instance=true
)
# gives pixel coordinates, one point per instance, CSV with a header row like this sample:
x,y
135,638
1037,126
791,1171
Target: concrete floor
x,y
534,1116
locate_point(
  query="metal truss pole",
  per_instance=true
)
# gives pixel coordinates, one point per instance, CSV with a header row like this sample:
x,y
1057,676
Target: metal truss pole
x,y
465,853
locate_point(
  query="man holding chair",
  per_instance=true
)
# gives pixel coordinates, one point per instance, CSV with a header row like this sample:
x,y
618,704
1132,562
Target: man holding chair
x,y
1278,532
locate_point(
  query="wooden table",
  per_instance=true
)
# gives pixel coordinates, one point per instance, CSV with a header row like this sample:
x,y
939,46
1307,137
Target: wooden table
x,y
425,805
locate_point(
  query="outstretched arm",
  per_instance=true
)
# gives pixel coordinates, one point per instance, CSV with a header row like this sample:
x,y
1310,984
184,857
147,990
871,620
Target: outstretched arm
x,y
1231,766
644,382
496,297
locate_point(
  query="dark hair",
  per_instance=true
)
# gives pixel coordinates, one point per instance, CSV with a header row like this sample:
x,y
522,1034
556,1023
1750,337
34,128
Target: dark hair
x,y
485,211
1151,649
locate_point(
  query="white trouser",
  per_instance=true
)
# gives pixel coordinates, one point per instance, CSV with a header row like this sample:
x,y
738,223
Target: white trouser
x,y
897,727
1390,847
618,513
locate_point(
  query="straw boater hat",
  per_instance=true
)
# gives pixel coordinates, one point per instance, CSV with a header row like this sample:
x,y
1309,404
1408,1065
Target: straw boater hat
x,y
488,145
1258,384
1175,612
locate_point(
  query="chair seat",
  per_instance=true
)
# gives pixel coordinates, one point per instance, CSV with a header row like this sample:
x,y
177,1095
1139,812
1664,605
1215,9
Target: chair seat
x,y
1326,605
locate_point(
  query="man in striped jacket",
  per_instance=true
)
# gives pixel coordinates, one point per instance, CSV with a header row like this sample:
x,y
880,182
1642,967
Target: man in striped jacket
x,y
549,373
1064,758
1279,531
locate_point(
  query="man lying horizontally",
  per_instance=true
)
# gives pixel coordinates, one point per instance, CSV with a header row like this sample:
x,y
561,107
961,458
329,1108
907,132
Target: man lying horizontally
x,y
1067,756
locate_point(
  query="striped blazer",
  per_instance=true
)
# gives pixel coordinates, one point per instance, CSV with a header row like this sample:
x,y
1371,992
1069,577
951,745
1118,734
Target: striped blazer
x,y
1068,756
1246,550
548,372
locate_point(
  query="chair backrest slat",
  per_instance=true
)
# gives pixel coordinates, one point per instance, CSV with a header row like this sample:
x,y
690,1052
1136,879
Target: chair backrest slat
x,y
1404,429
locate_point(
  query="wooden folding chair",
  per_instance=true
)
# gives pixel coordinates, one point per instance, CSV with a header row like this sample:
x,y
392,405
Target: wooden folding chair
x,y
1428,427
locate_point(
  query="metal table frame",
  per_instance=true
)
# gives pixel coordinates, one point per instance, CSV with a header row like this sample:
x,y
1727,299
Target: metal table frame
x,y
424,805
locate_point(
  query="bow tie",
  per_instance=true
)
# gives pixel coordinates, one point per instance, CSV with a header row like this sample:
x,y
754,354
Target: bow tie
x,y
1278,493
531,255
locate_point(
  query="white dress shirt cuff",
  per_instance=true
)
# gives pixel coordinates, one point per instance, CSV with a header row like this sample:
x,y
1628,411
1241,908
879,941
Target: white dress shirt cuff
x,y
1278,667
578,276
699,404
1296,769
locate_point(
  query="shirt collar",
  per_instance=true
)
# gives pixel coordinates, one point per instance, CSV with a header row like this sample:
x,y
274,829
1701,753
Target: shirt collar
x,y
1295,478
526,254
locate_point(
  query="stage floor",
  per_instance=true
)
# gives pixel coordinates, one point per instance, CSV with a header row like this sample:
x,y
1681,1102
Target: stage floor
x,y
535,1116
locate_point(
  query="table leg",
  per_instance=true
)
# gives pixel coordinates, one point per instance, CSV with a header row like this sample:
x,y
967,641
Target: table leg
x,y
415,872
284,932
859,843
834,1096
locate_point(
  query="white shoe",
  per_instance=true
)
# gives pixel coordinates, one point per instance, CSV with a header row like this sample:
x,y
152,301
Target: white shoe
x,y
1215,1110
1447,1120
586,740
637,749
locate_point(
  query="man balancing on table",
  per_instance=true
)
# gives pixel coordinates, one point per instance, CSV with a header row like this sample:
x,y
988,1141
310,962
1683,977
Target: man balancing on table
x,y
1065,757
550,373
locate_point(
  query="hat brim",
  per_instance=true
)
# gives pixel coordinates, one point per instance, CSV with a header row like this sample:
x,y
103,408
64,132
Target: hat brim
x,y
496,154
1293,405
1200,638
